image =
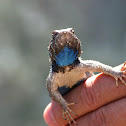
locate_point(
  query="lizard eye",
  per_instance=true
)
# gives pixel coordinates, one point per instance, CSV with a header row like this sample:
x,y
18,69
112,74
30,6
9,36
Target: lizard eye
x,y
54,34
72,30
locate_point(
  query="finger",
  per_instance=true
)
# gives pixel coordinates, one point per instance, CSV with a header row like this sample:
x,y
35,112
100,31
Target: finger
x,y
97,91
112,114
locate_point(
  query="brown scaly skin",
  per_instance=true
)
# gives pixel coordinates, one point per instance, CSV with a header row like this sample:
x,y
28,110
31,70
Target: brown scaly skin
x,y
70,74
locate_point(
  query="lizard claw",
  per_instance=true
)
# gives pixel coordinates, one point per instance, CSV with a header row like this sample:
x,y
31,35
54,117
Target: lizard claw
x,y
123,66
66,113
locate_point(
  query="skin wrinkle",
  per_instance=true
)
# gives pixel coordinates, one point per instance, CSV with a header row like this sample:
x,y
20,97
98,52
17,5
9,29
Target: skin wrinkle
x,y
102,116
91,99
82,99
97,118
88,97
97,88
101,89
94,120
95,94
107,114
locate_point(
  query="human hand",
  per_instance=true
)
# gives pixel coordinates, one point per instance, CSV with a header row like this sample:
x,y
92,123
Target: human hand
x,y
99,103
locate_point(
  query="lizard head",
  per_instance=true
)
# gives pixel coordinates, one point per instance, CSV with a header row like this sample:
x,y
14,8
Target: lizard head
x,y
64,47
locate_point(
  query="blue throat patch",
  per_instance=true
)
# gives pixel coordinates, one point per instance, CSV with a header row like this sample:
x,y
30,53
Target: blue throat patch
x,y
66,57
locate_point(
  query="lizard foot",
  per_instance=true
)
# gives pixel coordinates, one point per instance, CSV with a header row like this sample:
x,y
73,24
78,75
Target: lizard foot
x,y
120,76
66,113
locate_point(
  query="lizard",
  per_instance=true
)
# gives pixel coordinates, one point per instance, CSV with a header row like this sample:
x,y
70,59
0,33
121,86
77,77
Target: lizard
x,y
67,68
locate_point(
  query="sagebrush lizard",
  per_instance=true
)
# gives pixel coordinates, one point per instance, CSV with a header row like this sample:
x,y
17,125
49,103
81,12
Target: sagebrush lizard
x,y
67,68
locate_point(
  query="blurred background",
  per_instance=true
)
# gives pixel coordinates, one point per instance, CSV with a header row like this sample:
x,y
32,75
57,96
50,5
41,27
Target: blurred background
x,y
25,32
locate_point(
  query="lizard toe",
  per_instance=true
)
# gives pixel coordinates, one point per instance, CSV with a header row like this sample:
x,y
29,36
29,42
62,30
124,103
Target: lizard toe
x,y
122,81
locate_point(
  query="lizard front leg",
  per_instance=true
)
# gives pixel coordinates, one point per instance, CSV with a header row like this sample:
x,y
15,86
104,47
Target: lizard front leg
x,y
95,66
56,96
